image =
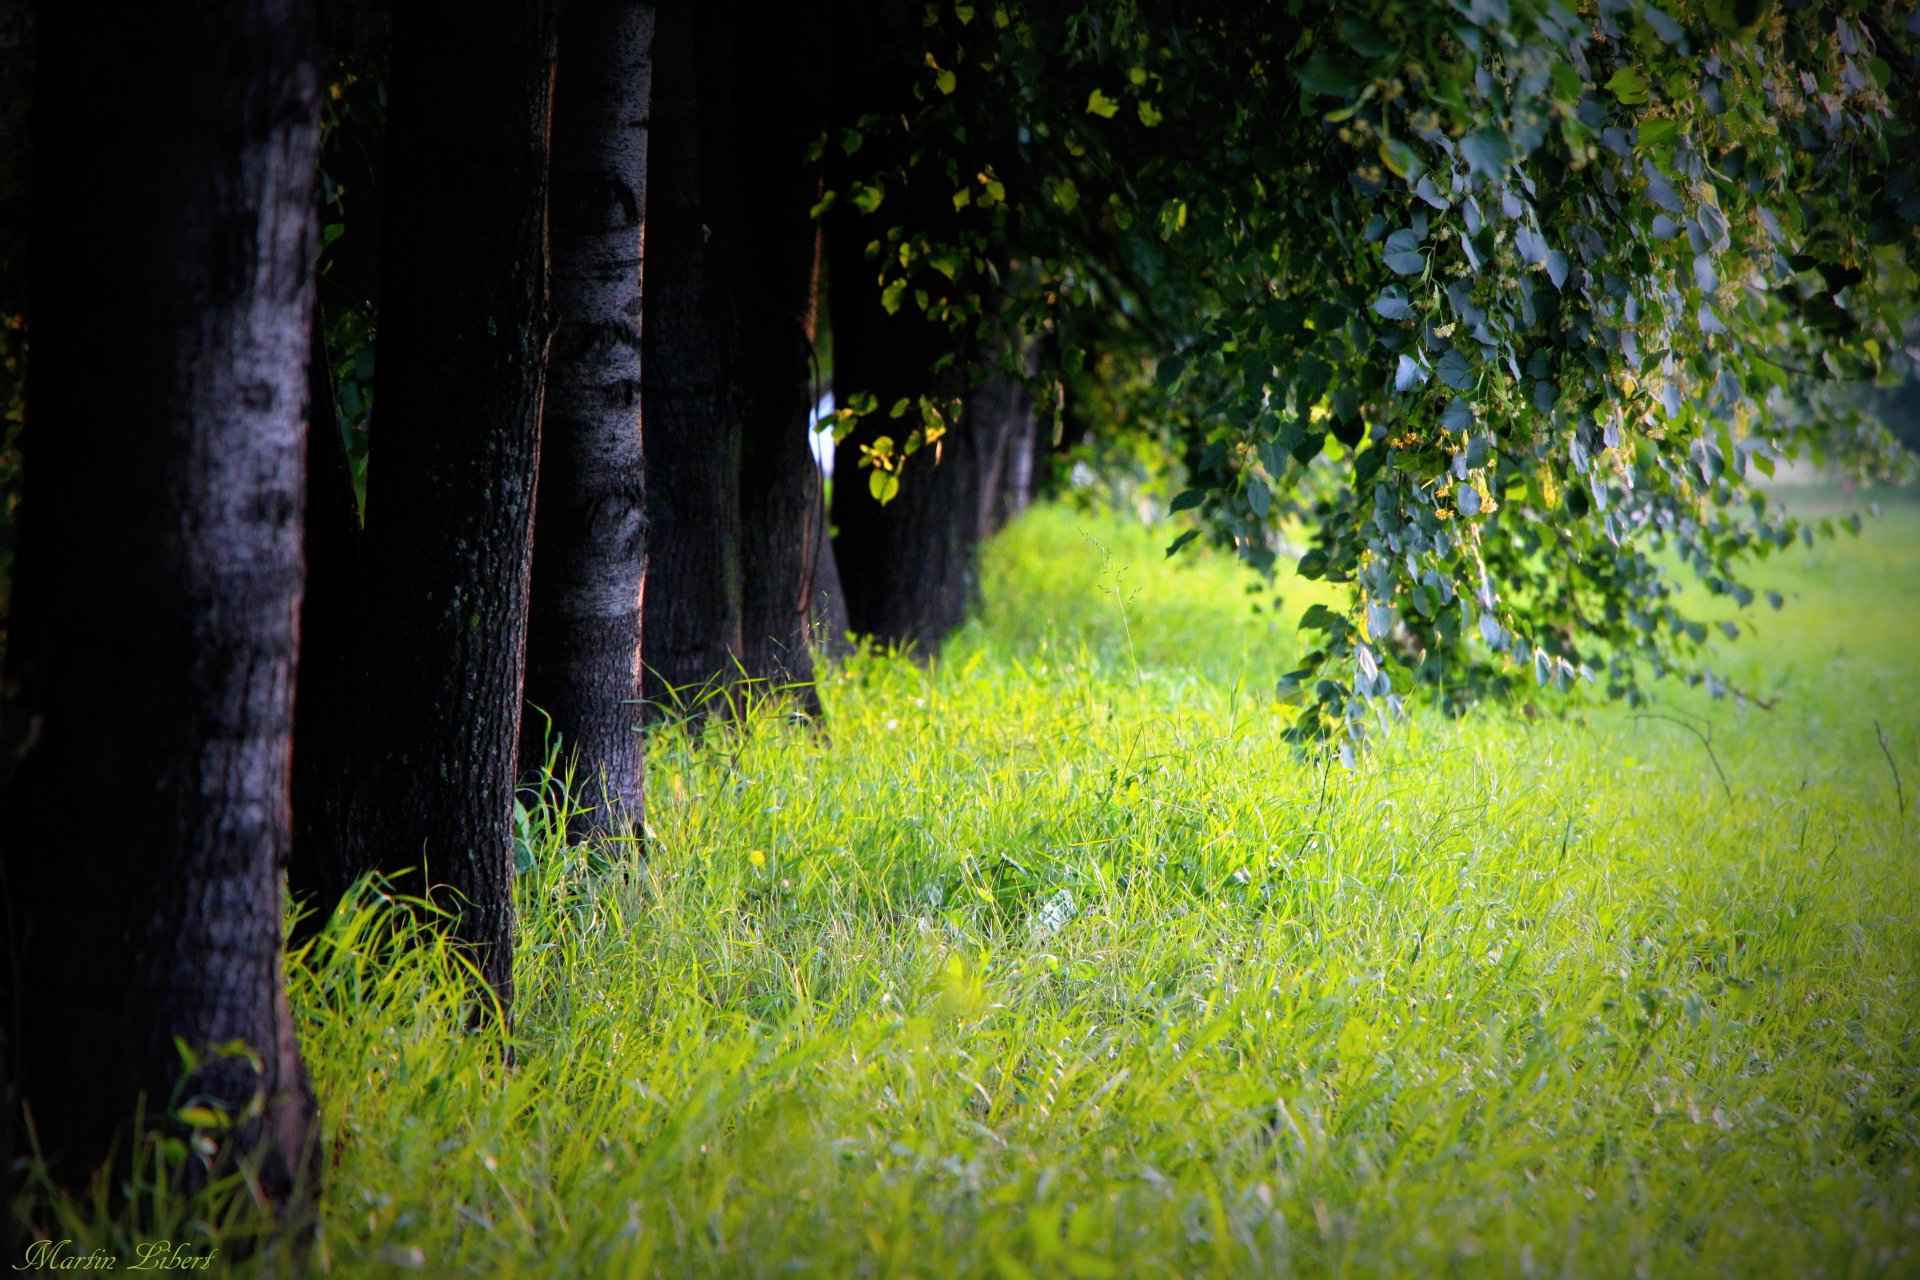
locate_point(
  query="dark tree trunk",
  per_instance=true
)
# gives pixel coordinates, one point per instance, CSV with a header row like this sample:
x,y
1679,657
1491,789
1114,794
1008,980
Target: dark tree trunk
x,y
782,61
152,671
693,585
323,723
590,552
1002,411
464,329
831,626
908,569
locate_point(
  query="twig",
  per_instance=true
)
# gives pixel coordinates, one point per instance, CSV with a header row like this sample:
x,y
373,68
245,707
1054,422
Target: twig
x,y
1706,740
1900,792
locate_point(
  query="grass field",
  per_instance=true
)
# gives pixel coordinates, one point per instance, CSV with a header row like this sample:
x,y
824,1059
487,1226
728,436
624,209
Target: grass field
x,y
1053,960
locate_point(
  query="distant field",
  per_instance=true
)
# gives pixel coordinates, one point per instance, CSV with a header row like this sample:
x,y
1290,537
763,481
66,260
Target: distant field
x,y
1053,960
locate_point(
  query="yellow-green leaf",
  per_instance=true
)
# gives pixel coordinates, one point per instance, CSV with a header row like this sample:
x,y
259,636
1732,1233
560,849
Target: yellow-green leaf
x,y
1101,105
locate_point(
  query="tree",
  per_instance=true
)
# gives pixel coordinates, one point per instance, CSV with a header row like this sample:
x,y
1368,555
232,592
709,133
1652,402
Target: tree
x,y
736,500
589,561
903,368
781,60
691,403
428,753
150,684
1496,299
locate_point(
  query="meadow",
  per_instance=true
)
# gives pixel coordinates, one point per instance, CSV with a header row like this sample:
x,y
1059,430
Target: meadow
x,y
1054,959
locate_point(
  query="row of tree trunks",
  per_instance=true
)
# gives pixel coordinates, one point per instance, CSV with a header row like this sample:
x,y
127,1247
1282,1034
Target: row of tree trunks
x,y
590,554
151,678
410,702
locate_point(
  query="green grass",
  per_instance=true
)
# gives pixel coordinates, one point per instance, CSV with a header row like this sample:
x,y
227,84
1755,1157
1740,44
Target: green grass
x,y
1053,960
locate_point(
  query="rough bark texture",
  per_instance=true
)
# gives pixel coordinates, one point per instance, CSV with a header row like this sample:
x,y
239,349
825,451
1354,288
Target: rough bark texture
x,y
152,672
782,59
692,442
590,534
464,329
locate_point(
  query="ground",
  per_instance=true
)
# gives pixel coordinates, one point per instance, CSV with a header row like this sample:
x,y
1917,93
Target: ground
x,y
1053,959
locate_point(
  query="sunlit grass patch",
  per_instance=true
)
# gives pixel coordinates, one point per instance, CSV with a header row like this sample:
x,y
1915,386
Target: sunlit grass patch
x,y
1053,959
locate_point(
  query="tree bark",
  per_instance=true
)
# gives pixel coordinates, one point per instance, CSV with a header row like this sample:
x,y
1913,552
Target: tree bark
x,y
590,538
152,671
781,60
464,329
692,610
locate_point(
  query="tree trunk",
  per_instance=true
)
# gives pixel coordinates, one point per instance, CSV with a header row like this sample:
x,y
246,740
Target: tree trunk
x,y
152,670
908,569
692,443
464,329
590,552
1002,407
831,626
782,59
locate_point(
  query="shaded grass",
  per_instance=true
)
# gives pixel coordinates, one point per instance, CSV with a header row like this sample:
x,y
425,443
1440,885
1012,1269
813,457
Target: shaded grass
x,y
1052,959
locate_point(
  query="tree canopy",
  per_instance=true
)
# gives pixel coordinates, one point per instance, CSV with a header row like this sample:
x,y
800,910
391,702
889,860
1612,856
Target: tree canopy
x,y
1502,305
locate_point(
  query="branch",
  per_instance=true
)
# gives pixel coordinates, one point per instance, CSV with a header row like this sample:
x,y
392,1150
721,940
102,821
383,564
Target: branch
x,y
1706,740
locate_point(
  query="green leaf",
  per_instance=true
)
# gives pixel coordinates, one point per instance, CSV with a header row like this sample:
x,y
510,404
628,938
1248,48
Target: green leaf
x,y
1629,86
1101,105
1325,75
882,485
1487,150
1658,133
